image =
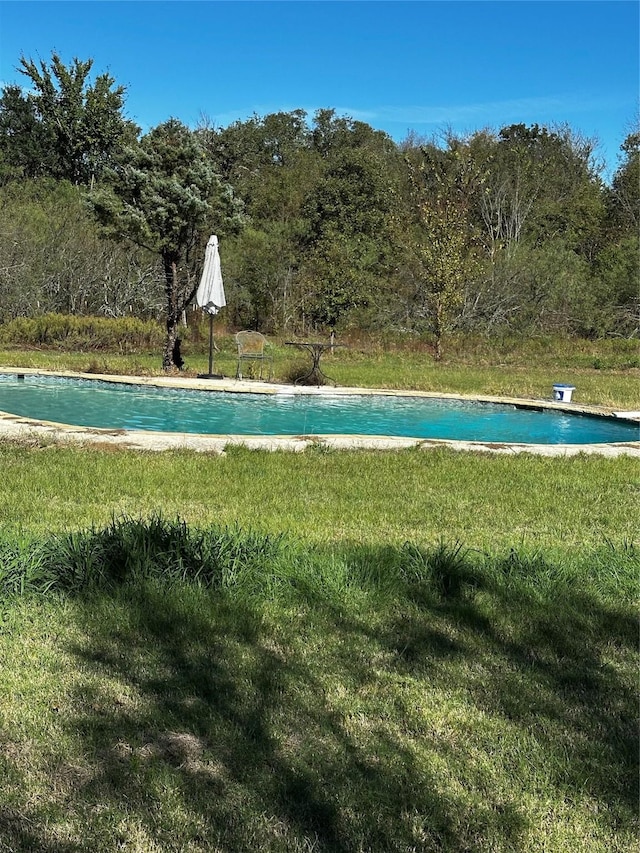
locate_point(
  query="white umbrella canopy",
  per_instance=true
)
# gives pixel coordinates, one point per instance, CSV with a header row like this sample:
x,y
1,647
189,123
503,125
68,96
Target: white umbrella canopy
x,y
210,293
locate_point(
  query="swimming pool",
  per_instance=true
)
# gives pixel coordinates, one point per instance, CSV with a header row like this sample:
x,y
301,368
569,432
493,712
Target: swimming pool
x,y
119,406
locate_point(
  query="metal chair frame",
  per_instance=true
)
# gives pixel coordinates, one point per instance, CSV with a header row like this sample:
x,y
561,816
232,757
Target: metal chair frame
x,y
251,347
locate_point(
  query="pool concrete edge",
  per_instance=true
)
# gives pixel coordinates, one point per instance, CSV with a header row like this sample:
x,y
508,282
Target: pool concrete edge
x,y
21,428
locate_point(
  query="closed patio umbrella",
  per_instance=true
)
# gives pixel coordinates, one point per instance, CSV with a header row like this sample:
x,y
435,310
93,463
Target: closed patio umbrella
x,y
210,293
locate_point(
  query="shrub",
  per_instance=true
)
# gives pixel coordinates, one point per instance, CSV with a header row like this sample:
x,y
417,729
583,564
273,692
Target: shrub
x,y
122,334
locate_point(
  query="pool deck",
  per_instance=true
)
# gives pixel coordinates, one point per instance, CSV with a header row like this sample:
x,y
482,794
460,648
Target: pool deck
x,y
26,429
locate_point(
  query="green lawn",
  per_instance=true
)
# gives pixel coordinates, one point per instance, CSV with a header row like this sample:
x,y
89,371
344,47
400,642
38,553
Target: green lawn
x,y
321,651
379,699
487,502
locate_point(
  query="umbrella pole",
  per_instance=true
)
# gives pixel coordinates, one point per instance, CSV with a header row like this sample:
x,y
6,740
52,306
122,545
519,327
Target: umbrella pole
x,y
210,344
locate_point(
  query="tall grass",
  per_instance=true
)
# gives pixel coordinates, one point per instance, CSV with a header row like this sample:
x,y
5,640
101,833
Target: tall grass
x,y
247,563
130,549
65,331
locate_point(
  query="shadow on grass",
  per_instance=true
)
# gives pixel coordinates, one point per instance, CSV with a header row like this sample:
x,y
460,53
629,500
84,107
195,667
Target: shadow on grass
x,y
240,724
20,834
434,716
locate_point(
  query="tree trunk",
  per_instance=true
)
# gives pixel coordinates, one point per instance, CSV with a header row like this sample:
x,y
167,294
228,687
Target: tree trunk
x,y
438,329
170,263
438,347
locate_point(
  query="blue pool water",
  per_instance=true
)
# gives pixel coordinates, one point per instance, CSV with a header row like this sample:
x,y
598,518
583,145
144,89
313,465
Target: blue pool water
x,y
95,403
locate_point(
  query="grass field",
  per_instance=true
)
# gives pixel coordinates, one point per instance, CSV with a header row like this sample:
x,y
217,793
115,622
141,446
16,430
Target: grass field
x,y
324,651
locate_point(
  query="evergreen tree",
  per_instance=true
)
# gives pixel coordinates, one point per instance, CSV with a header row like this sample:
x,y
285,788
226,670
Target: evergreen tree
x,y
165,196
65,127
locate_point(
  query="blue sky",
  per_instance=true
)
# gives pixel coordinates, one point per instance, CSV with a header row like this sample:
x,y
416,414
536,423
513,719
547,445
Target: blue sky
x,y
399,66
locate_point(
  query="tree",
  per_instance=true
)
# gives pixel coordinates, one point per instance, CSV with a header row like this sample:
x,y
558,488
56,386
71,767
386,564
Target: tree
x,y
26,147
532,192
164,195
618,265
624,196
246,151
345,243
553,181
444,262
437,238
332,134
75,126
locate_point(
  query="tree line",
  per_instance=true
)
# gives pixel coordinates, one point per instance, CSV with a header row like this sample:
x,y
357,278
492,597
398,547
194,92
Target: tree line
x,y
324,222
